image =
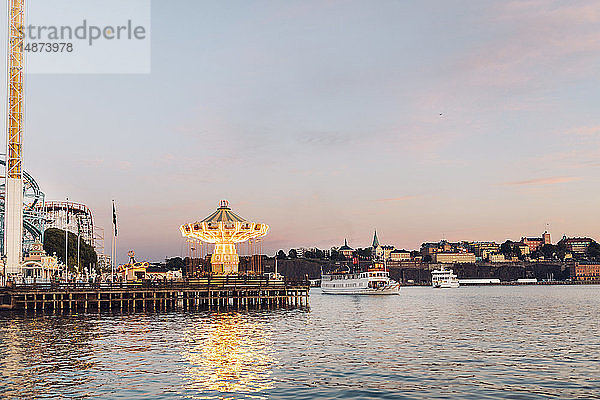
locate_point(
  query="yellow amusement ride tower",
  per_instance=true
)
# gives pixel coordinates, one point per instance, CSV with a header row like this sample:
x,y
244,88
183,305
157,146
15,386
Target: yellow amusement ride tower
x,y
224,228
13,219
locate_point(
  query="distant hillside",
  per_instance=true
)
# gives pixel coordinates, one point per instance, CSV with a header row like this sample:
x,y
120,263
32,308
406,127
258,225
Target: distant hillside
x,y
297,268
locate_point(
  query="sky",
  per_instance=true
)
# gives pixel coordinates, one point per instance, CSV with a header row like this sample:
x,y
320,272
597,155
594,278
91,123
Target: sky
x,y
427,120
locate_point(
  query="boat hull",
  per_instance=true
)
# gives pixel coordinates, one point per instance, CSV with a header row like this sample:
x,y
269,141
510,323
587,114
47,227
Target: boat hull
x,y
446,285
388,290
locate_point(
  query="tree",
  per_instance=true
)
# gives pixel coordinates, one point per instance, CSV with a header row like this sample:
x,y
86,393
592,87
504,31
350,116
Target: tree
x,y
54,243
549,251
365,253
427,258
293,253
507,248
562,249
309,254
281,255
174,263
336,256
593,250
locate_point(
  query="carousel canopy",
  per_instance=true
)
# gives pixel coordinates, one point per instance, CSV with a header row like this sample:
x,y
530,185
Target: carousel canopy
x,y
223,214
224,226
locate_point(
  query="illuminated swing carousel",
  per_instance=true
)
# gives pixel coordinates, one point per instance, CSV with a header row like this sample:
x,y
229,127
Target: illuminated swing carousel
x,y
224,229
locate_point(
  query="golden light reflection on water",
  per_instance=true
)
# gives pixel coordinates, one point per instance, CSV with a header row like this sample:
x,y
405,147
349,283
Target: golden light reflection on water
x,y
44,352
12,360
229,354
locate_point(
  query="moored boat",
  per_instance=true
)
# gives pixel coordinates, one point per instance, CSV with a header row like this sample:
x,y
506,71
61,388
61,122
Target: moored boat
x,y
444,278
372,281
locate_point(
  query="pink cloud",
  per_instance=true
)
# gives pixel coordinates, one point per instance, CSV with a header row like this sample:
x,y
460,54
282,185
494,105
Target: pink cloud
x,y
401,198
543,181
555,11
542,33
589,130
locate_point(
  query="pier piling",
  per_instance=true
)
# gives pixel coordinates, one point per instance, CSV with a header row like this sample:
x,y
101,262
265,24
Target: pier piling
x,y
216,293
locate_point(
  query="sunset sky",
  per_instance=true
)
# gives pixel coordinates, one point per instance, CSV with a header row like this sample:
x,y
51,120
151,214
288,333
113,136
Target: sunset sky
x,y
463,120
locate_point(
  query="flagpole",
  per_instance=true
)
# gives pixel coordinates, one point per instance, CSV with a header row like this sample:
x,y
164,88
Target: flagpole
x,y
67,243
78,243
114,263
112,260
112,255
112,248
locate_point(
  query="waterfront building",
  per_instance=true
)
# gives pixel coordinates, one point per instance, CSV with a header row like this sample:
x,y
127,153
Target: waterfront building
x,y
483,249
446,247
346,250
522,248
576,245
380,251
546,237
400,255
38,266
429,249
536,243
585,272
451,258
533,244
384,252
496,257
443,246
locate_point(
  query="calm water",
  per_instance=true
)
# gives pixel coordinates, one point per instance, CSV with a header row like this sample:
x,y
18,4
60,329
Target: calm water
x,y
528,342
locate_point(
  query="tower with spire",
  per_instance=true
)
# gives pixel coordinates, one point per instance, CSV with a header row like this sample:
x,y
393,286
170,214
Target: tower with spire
x,y
375,245
346,250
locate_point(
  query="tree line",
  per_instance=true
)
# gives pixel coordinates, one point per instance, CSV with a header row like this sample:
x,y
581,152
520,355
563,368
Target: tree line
x,y
54,244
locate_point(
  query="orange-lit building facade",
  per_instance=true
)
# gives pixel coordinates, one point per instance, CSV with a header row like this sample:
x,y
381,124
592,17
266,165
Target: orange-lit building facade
x,y
585,272
536,243
576,245
452,258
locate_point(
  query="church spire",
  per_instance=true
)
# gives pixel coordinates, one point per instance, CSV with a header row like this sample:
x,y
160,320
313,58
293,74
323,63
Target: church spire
x,y
375,240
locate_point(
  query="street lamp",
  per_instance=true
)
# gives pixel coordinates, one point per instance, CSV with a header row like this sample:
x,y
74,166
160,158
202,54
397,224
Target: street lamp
x,y
67,242
3,269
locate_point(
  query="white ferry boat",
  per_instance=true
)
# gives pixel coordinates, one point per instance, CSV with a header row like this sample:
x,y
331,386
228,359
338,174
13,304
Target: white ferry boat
x,y
444,278
373,281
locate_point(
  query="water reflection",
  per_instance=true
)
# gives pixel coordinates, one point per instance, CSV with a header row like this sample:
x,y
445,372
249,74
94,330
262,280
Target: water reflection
x,y
475,342
44,354
229,353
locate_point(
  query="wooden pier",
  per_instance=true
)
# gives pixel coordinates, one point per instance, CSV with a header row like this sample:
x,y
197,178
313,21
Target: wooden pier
x,y
216,293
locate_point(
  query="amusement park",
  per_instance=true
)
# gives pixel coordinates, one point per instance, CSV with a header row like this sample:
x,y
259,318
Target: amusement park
x,y
29,224
53,253
41,217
